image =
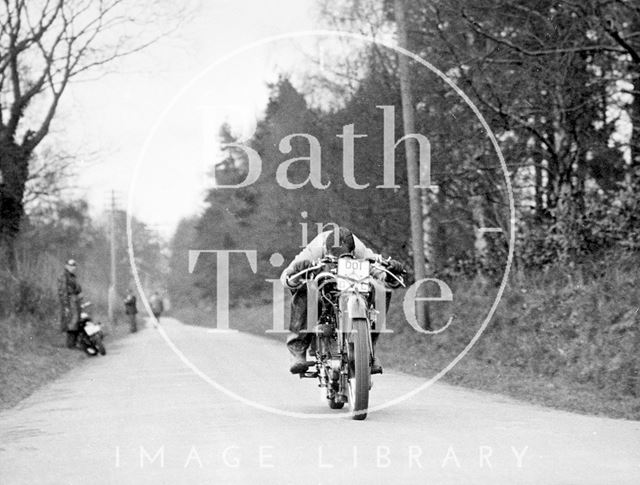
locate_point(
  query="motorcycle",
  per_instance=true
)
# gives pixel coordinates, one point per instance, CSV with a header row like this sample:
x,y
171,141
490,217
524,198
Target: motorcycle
x,y
90,333
348,291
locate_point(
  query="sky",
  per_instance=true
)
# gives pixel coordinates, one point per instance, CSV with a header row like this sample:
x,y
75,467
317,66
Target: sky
x,y
154,119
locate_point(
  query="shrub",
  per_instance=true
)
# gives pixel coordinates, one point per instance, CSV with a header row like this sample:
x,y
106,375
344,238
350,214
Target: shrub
x,y
32,290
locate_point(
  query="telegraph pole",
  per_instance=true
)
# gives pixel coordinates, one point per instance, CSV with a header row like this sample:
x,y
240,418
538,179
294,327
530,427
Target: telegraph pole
x,y
415,209
113,297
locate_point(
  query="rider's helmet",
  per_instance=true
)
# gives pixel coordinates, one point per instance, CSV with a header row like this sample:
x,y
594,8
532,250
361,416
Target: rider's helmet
x,y
339,242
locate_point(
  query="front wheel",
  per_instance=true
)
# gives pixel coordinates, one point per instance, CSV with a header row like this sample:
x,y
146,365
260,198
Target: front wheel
x,y
99,346
360,360
101,349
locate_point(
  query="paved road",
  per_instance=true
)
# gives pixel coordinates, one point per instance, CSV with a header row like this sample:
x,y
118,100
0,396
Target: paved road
x,y
142,415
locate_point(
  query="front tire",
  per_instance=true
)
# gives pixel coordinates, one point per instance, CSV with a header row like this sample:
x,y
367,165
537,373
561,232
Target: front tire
x,y
99,346
101,349
360,381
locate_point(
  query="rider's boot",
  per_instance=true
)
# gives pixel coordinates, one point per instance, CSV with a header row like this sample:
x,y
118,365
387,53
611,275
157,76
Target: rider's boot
x,y
376,368
297,345
298,363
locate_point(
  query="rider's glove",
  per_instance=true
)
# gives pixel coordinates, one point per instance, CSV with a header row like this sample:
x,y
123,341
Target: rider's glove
x,y
397,268
294,282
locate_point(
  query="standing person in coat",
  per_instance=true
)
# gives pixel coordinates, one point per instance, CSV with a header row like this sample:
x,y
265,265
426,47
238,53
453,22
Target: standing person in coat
x,y
69,296
131,310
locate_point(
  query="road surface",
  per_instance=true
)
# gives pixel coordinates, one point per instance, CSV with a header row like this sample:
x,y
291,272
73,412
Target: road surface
x,y
144,414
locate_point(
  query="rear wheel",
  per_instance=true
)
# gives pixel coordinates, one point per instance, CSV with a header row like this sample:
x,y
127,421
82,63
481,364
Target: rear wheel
x,y
335,400
360,380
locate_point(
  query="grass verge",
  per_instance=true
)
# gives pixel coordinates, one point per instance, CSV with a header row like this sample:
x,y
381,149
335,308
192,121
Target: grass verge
x,y
33,353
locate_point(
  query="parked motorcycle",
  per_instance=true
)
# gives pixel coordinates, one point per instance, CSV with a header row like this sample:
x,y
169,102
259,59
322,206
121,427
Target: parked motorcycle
x,y
342,346
89,332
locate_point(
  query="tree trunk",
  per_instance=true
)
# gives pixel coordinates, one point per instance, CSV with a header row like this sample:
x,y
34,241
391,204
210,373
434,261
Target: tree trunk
x,y
634,171
539,189
415,206
14,170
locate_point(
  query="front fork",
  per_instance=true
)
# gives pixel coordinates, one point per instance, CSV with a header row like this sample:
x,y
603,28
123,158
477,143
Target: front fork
x,y
354,306
351,305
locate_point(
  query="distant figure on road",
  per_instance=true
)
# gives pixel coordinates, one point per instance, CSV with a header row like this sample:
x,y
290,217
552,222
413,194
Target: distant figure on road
x,y
69,295
131,310
156,304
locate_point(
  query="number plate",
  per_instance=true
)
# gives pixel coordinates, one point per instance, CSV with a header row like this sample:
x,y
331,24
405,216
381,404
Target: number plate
x,y
353,269
91,328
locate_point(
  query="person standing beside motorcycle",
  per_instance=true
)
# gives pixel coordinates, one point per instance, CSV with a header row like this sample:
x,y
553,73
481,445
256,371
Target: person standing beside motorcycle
x,y
131,310
69,292
338,242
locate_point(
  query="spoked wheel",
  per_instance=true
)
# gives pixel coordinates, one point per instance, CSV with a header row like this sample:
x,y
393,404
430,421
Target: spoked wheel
x,y
101,349
97,343
360,363
335,401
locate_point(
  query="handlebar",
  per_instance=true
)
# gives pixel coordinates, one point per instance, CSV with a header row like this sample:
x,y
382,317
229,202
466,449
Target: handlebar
x,y
378,264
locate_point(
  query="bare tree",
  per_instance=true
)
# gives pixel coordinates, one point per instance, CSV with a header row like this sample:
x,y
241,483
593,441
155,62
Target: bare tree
x,y
44,45
49,175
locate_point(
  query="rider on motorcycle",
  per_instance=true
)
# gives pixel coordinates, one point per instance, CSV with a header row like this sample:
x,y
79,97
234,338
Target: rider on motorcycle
x,y
335,243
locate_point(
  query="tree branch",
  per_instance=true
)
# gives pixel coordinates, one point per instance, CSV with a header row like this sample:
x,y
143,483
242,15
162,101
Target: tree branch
x,y
477,27
615,35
